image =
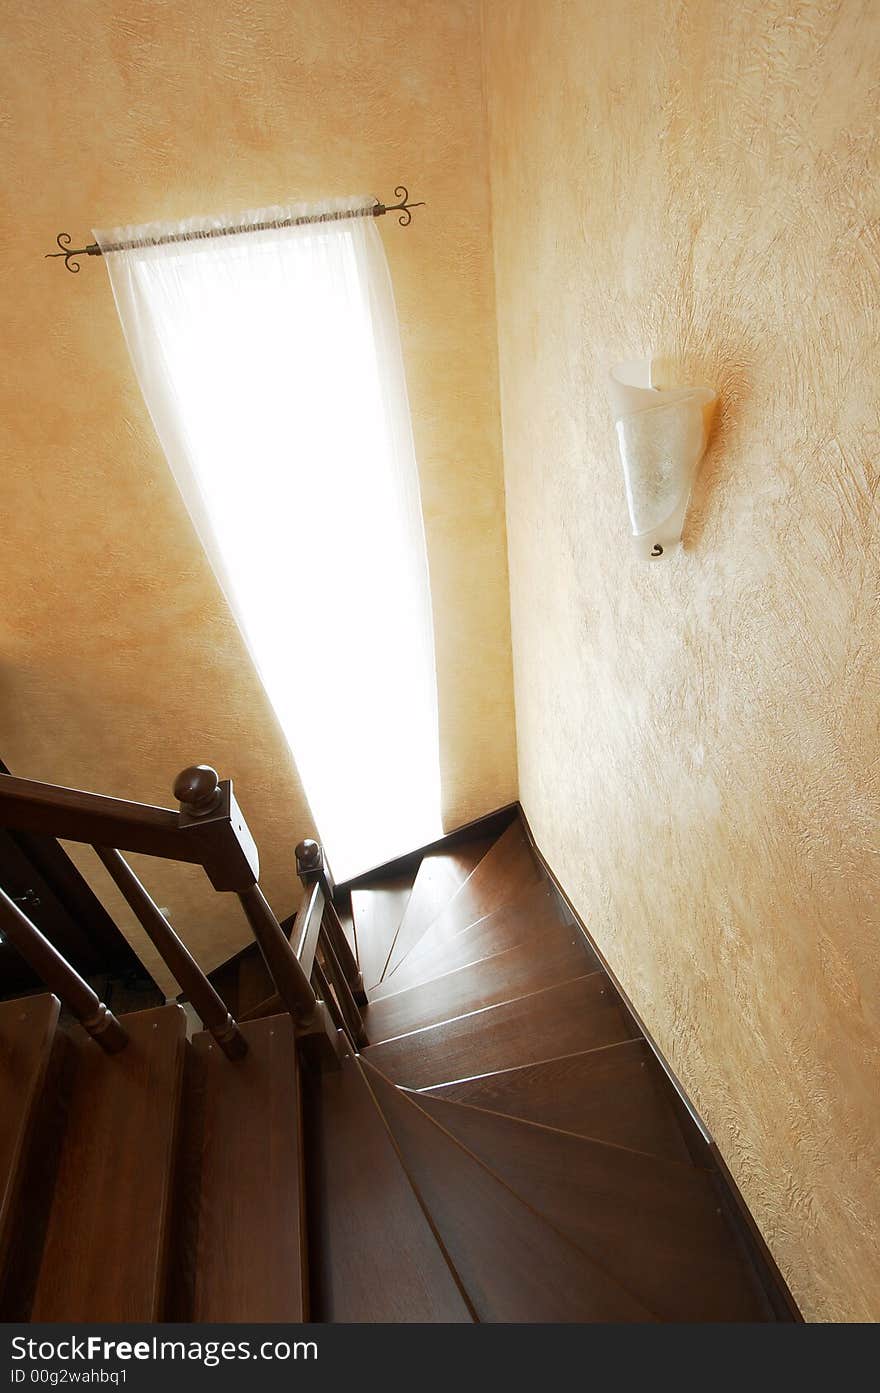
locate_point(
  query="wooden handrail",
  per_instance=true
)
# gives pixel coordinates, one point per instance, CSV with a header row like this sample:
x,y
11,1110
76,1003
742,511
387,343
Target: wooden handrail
x,y
77,816
207,830
176,956
62,979
216,838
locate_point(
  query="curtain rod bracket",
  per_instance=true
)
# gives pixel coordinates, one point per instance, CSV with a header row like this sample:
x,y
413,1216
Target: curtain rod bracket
x,y
378,210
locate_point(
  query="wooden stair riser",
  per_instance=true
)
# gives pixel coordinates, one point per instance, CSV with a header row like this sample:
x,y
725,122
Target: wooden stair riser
x,y
438,879
617,1094
557,956
534,912
579,1015
503,874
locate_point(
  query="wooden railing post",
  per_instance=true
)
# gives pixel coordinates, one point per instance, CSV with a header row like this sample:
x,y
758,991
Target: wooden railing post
x,y
211,821
176,956
60,977
311,868
209,811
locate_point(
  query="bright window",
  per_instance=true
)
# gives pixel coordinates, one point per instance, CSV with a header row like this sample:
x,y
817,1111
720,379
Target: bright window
x,y
271,366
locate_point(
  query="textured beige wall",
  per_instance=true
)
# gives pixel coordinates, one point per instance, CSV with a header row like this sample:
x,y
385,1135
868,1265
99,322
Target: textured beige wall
x,y
698,737
120,662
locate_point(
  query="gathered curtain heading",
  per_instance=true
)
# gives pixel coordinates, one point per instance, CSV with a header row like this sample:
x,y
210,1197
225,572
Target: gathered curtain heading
x,y
208,228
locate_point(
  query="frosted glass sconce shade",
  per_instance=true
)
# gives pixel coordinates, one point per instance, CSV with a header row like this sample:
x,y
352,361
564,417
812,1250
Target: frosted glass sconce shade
x,y
662,438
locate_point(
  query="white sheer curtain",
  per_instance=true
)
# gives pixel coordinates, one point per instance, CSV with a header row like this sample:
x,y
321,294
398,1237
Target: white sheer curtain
x,y
270,362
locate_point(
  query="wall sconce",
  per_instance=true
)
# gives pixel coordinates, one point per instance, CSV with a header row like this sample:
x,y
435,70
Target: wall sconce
x,y
662,436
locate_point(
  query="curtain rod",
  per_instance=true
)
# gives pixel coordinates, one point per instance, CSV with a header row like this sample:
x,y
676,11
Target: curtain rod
x,y
377,210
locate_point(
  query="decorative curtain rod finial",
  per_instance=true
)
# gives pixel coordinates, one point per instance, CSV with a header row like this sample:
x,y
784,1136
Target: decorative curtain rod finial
x,y
403,207
63,241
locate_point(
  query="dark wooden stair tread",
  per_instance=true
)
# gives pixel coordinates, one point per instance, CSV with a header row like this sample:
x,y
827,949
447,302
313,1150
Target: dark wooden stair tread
x,y
505,871
439,877
377,911
578,1015
522,922
105,1247
375,1256
558,955
242,1226
655,1225
617,1093
513,1264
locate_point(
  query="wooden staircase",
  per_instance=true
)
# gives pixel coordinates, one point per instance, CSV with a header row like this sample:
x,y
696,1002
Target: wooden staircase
x,y
506,1146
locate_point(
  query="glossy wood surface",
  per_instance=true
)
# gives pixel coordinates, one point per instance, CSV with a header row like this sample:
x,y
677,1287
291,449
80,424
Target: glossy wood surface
x,y
27,1035
534,912
439,877
560,1020
245,1243
617,1093
376,1255
655,1225
552,957
377,913
104,1256
505,871
514,1265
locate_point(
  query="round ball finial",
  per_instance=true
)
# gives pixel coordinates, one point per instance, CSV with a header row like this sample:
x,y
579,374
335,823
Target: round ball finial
x,y
308,856
197,789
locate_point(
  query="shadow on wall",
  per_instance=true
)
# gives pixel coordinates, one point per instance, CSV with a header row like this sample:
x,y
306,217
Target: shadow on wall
x,y
729,370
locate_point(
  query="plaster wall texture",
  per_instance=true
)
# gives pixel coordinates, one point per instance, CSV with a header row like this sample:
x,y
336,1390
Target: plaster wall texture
x,y
121,663
698,736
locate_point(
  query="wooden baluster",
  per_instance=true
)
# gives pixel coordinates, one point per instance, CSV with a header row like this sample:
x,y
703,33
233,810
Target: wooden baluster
x,y
322,987
60,977
293,986
311,868
176,956
307,928
342,991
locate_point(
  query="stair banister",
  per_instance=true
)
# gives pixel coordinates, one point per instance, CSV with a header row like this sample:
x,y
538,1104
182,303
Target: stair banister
x,y
202,801
209,830
312,869
354,1023
176,956
62,979
215,837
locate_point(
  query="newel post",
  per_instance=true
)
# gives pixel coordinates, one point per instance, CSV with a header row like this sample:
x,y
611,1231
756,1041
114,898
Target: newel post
x,y
311,867
209,812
